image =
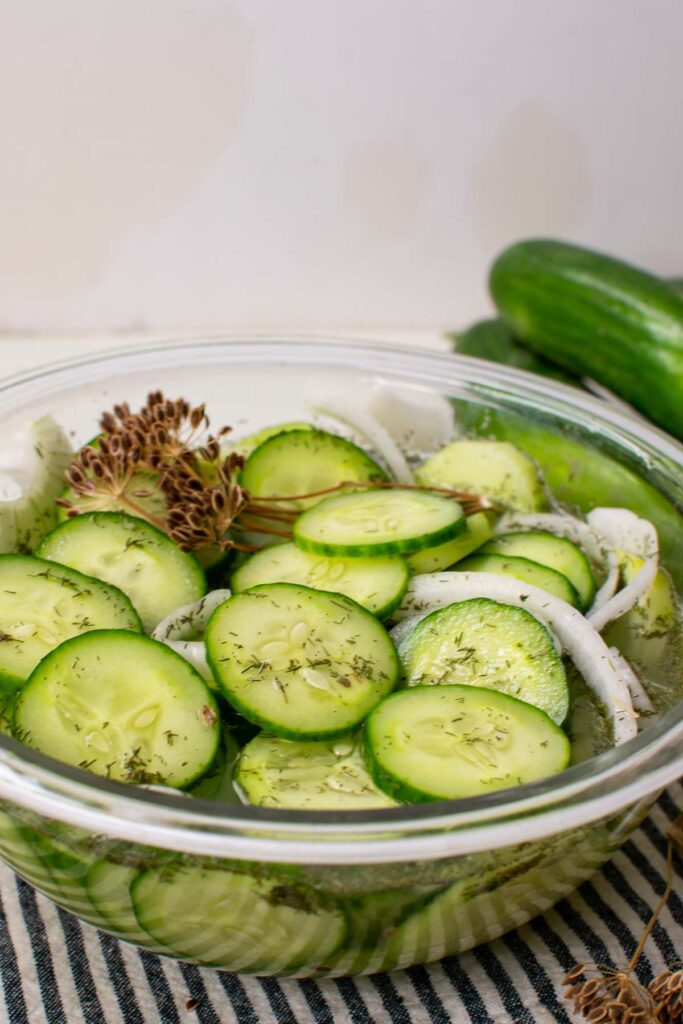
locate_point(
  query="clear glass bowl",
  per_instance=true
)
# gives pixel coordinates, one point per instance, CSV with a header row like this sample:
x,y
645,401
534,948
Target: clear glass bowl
x,y
275,892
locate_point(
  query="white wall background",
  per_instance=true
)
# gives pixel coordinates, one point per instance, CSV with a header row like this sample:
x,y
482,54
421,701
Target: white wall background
x,y
191,164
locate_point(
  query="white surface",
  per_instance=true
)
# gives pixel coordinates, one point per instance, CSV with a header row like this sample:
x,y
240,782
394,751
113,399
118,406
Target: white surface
x,y
253,163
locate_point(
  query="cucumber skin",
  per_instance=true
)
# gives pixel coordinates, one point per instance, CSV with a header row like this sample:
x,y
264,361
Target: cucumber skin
x,y
493,341
390,547
599,317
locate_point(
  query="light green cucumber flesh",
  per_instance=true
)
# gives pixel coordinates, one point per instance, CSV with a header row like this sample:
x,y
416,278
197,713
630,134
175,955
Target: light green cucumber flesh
x,y
377,584
477,531
120,705
327,775
224,919
449,742
487,644
496,469
379,522
42,604
301,663
523,569
303,462
132,555
557,553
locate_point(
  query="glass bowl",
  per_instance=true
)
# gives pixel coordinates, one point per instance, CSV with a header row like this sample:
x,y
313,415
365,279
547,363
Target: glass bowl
x,y
322,893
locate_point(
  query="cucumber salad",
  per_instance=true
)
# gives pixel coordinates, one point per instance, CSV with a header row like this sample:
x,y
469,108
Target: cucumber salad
x,y
319,616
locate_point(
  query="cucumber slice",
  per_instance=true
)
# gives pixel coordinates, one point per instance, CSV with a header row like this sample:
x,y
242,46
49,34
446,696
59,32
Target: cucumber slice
x,y
377,584
448,742
329,775
42,604
83,705
305,461
487,644
6,713
238,922
385,522
525,570
494,468
556,552
132,555
108,886
246,445
477,531
301,663
25,517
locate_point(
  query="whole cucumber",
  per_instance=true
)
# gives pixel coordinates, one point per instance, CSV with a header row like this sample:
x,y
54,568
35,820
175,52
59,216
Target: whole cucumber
x,y
493,340
597,317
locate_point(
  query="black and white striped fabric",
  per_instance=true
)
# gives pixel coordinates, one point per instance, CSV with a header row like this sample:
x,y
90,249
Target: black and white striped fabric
x,y
57,971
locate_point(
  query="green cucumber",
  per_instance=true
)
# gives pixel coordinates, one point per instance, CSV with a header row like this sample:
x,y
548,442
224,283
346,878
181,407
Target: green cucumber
x,y
496,469
597,317
121,705
327,775
487,644
494,341
557,553
134,556
523,569
301,663
448,742
477,531
377,584
246,445
296,462
378,522
236,921
42,604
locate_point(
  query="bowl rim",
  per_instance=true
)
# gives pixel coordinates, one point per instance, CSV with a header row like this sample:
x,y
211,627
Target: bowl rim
x,y
170,820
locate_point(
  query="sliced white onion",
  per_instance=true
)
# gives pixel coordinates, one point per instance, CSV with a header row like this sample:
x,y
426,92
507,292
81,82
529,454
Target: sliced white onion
x,y
193,651
368,427
641,701
190,620
418,419
588,650
622,529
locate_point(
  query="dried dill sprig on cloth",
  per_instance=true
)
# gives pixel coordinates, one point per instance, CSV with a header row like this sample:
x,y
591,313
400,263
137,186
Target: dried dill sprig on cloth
x,y
167,446
617,996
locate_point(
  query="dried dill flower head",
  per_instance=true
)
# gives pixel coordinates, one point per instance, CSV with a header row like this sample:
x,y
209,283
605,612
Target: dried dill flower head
x,y
606,994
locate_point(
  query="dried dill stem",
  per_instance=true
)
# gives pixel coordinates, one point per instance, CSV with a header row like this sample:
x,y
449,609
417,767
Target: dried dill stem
x,y
604,994
167,444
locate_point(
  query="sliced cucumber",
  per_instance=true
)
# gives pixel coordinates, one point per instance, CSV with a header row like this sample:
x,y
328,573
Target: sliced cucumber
x,y
108,886
246,445
238,922
378,522
477,531
304,462
486,644
301,663
329,775
525,570
132,555
377,584
42,604
25,517
556,552
447,742
6,713
120,705
494,468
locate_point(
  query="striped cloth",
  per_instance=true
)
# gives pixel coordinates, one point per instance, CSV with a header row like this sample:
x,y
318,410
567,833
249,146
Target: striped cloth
x,y
57,971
